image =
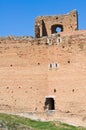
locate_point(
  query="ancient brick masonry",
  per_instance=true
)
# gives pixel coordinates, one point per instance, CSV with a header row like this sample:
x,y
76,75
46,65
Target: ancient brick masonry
x,y
45,77
46,25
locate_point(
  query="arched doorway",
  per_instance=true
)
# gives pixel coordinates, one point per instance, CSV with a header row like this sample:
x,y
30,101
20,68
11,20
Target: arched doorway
x,y
56,28
49,103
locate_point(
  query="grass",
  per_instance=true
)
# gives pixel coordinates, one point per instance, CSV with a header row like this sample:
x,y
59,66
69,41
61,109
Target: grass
x,y
19,123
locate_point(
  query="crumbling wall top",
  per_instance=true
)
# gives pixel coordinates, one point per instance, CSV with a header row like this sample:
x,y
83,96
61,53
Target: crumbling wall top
x,y
47,25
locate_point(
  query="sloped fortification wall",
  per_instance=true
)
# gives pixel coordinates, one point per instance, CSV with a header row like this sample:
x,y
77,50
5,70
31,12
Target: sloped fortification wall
x,y
34,70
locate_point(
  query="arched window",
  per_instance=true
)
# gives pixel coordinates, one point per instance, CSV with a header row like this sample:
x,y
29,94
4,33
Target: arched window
x,y
50,66
56,28
49,41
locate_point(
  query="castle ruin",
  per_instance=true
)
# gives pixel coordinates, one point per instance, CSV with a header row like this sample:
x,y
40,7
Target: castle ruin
x,y
45,77
47,25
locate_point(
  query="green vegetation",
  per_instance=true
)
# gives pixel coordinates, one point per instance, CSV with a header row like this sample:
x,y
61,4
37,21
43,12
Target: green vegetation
x,y
11,122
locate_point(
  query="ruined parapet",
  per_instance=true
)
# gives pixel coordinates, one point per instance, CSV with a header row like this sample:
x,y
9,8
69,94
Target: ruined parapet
x,y
47,25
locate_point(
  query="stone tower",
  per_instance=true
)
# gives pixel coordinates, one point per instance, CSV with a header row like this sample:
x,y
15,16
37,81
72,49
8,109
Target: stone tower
x,y
47,25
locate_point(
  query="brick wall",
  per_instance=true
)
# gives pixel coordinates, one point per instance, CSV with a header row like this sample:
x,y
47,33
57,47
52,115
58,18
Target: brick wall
x,y
47,25
27,79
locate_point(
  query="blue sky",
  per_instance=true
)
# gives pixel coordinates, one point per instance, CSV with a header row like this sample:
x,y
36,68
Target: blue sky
x,y
17,17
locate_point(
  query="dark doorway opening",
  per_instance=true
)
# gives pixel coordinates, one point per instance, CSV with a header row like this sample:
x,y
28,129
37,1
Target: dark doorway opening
x,y
44,30
50,104
56,28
